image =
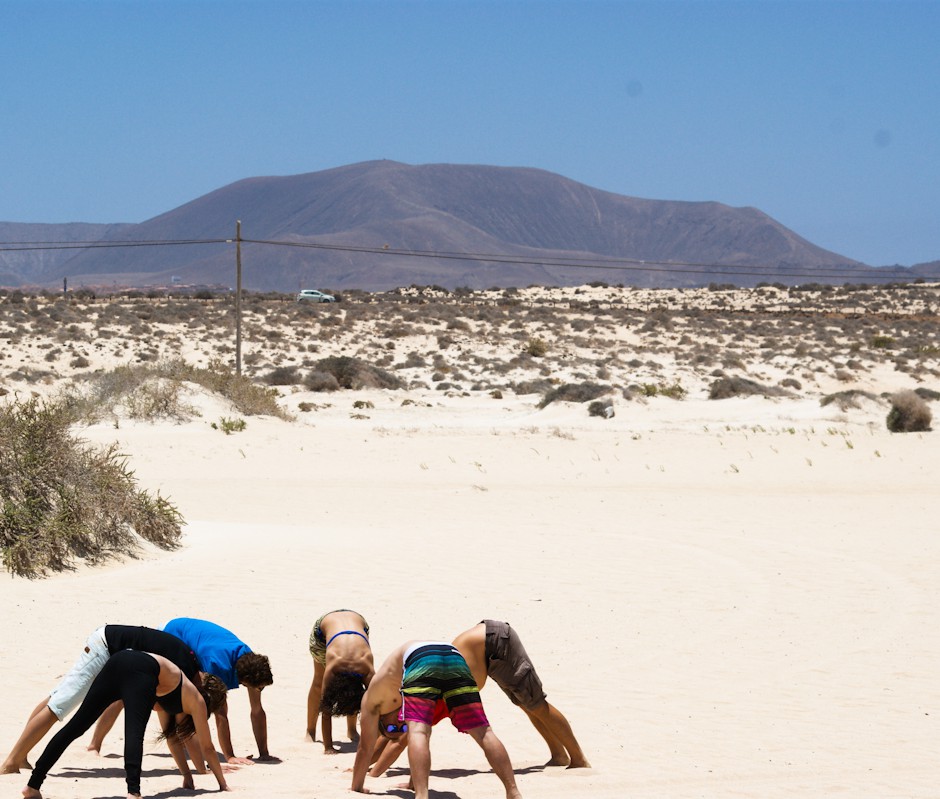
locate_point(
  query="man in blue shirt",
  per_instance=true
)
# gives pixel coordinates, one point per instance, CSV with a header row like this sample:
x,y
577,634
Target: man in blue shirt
x,y
222,653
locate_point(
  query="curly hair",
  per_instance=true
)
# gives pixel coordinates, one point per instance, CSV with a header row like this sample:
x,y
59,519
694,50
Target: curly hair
x,y
342,695
214,691
254,670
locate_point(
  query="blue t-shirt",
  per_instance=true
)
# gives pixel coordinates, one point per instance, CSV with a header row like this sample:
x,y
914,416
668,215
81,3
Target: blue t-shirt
x,y
216,648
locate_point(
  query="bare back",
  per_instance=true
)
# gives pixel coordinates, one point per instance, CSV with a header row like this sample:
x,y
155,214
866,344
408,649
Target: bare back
x,y
472,645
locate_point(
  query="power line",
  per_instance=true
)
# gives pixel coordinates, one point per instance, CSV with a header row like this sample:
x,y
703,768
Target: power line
x,y
619,264
27,246
600,263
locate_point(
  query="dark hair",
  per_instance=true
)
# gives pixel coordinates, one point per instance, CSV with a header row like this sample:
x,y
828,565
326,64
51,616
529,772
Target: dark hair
x,y
214,692
342,695
254,669
182,732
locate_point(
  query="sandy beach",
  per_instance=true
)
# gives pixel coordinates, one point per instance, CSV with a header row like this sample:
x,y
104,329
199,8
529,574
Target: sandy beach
x,y
734,598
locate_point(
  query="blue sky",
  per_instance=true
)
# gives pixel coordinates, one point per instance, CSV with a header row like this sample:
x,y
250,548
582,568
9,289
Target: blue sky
x,y
825,115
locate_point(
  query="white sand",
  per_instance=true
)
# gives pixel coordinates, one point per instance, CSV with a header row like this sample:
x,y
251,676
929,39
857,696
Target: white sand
x,y
735,598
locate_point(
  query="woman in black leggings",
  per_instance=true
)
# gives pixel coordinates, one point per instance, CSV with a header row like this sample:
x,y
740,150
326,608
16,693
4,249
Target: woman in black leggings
x,y
144,682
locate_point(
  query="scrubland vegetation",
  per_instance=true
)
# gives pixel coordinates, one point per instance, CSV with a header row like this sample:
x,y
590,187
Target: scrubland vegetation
x,y
84,359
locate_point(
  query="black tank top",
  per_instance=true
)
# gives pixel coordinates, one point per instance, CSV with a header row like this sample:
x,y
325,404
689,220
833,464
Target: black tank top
x,y
172,702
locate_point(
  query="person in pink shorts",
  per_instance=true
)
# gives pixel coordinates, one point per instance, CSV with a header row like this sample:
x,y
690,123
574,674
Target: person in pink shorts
x,y
419,681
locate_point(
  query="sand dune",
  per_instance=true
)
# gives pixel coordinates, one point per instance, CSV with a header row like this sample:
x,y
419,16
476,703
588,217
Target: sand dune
x,y
725,598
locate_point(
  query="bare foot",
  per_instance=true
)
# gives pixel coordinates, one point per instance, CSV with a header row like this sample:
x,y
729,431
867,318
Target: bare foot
x,y
558,760
581,763
406,786
31,793
13,768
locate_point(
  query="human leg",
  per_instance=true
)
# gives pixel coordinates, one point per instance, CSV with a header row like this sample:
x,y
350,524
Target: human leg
x,y
497,757
138,691
104,725
103,691
40,722
64,698
419,757
557,732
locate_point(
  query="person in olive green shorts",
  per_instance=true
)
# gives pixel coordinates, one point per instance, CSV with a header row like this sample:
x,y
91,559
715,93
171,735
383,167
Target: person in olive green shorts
x,y
342,669
493,649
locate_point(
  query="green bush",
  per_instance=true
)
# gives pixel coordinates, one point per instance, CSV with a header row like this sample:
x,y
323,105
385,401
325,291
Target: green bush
x,y
229,426
61,501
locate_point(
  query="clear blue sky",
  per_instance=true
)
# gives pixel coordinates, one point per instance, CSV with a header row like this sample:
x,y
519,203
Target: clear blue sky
x,y
825,115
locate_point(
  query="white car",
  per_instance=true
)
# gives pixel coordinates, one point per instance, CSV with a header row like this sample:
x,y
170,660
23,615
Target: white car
x,y
315,296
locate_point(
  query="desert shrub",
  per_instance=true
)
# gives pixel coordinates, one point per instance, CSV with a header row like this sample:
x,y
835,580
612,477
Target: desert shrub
x,y
61,500
574,392
536,347
726,387
160,385
791,382
229,426
321,382
847,399
282,376
356,374
158,398
927,393
412,361
539,386
602,408
909,413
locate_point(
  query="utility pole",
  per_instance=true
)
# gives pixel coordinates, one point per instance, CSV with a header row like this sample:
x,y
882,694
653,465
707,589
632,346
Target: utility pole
x,y
238,298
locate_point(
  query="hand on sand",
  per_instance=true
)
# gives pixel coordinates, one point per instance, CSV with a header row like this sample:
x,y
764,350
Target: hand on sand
x,y
239,761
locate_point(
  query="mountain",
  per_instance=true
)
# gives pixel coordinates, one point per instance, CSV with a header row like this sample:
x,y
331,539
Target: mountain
x,y
546,228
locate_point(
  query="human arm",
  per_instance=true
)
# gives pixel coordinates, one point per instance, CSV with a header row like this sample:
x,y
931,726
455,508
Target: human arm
x,y
314,695
326,726
225,736
176,750
386,753
195,706
368,735
259,725
313,699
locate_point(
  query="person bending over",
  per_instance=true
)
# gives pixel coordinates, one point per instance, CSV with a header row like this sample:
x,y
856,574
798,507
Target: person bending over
x,y
342,669
102,644
143,681
220,652
419,680
493,649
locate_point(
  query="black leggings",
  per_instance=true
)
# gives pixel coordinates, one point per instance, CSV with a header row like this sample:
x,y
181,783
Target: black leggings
x,y
129,676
